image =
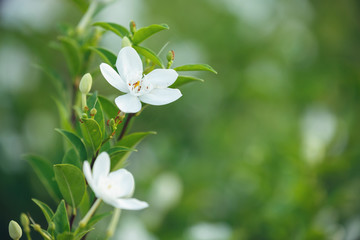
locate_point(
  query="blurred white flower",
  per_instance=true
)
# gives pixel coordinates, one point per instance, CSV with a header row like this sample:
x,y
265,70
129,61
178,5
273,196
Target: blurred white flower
x,y
114,188
151,88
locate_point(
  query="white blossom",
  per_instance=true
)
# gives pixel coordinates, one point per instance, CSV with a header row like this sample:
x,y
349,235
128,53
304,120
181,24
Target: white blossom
x,y
114,188
151,88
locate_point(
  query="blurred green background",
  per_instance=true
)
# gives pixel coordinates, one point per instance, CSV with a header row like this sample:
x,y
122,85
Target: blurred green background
x,y
266,149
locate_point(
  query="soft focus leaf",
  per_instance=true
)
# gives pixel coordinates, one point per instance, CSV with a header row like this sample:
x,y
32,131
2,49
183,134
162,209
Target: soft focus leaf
x,y
82,234
147,53
72,53
71,182
82,4
44,171
60,219
115,150
182,80
95,219
92,133
93,102
63,114
129,141
71,157
195,67
106,55
48,213
55,79
110,109
113,27
66,236
145,32
77,143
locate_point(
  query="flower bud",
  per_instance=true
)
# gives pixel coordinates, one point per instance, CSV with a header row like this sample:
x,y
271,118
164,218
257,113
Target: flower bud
x,y
170,56
84,115
122,115
25,222
112,122
15,231
93,111
37,227
132,27
125,42
85,83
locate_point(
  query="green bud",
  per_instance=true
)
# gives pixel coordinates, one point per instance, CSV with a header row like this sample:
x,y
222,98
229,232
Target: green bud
x,y
132,27
37,227
85,83
84,115
125,42
122,115
112,122
170,56
15,231
52,226
24,220
93,111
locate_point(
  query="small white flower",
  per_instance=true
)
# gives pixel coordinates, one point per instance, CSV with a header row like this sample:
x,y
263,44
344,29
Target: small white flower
x,y
151,88
114,188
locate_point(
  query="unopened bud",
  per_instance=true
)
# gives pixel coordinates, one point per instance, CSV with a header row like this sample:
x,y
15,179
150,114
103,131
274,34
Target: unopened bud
x,y
170,56
125,42
132,27
112,122
52,226
85,83
37,227
84,115
93,111
25,222
15,231
122,115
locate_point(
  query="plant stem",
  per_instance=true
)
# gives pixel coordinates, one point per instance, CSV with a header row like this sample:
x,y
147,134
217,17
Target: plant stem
x,y
89,214
87,17
114,220
126,124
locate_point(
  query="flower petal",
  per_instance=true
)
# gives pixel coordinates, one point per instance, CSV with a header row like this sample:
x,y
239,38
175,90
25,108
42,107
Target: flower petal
x,y
128,103
162,78
124,182
101,167
113,78
161,96
129,64
129,204
88,175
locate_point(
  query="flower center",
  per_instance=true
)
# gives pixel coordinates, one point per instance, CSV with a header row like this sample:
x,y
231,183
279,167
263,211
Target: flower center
x,y
139,87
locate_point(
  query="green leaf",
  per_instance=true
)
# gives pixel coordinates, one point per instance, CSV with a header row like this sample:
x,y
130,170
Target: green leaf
x,y
147,53
129,141
115,150
60,219
64,115
71,183
77,143
92,133
71,157
106,55
82,4
82,234
44,171
145,32
181,80
113,27
195,67
66,236
85,203
95,219
55,79
93,102
110,109
72,53
48,213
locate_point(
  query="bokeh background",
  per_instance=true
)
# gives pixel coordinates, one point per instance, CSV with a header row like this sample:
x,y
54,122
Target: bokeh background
x,y
267,149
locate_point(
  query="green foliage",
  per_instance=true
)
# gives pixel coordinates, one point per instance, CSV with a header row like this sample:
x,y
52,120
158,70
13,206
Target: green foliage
x,y
93,102
72,53
92,133
129,141
149,54
60,219
48,213
182,80
113,27
195,67
71,157
106,55
145,32
44,171
71,182
76,141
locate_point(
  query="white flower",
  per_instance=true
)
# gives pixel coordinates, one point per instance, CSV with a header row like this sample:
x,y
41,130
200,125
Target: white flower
x,y
151,88
114,188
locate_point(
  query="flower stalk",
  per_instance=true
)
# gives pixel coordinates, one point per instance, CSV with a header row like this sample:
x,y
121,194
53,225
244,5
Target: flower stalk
x,y
114,220
89,214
